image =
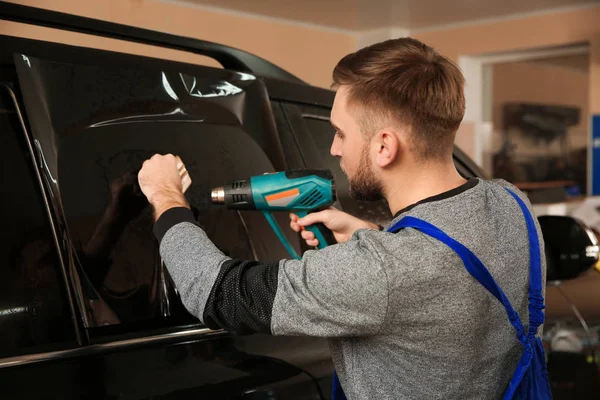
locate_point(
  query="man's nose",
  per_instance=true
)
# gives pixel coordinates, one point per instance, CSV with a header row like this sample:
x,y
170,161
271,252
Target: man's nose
x,y
335,149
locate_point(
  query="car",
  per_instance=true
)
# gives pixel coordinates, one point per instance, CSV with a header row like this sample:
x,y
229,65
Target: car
x,y
87,307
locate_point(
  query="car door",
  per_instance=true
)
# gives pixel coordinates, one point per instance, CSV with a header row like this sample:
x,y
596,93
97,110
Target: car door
x,y
94,117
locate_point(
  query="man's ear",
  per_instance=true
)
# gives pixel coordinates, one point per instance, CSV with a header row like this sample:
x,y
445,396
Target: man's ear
x,y
389,148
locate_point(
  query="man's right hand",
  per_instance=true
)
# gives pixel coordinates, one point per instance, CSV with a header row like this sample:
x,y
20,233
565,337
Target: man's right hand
x,y
342,225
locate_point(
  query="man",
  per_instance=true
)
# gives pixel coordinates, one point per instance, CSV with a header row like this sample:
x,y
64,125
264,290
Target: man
x,y
404,317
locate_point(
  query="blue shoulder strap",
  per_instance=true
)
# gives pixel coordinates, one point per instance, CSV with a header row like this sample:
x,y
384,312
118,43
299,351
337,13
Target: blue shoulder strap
x,y
536,297
532,345
476,268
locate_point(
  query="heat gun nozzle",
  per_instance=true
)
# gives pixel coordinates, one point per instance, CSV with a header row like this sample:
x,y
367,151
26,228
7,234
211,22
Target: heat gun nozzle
x,y
218,195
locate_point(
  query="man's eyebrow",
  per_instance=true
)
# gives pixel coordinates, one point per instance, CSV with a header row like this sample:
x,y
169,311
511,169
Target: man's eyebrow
x,y
334,126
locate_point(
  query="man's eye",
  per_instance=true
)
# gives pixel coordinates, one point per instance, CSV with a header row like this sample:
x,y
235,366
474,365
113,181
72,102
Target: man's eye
x,y
339,134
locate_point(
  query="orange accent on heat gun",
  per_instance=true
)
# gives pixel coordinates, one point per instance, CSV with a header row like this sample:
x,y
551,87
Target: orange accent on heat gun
x,y
281,195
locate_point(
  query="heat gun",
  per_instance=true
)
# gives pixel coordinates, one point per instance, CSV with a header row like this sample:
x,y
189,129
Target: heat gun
x,y
297,191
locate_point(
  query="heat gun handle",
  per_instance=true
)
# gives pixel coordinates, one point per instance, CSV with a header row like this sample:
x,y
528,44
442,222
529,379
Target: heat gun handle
x,y
321,232
280,235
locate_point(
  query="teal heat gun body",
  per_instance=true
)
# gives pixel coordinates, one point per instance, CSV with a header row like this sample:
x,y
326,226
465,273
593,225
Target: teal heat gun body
x,y
299,191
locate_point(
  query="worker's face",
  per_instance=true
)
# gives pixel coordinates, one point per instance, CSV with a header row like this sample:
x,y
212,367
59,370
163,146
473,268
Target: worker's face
x,y
354,151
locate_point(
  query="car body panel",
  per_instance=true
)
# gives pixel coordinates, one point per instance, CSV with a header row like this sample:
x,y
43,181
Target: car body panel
x,y
90,134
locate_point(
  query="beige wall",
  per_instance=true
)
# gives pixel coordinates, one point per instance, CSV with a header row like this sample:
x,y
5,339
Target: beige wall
x,y
576,26
543,30
530,32
306,52
464,137
595,74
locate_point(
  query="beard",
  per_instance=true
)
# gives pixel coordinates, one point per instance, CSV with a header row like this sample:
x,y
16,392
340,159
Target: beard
x,y
365,185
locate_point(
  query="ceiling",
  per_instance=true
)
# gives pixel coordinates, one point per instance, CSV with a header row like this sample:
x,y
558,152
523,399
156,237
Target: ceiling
x,y
358,15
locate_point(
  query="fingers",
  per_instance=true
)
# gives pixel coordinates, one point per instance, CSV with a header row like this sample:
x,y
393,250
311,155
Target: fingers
x,y
312,243
294,223
165,157
313,218
308,236
162,161
168,156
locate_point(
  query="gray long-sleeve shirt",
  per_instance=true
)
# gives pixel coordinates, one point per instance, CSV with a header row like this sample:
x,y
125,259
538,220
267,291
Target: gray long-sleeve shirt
x,y
404,318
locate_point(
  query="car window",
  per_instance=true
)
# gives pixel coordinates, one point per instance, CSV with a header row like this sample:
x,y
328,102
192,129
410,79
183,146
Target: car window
x,y
105,121
34,308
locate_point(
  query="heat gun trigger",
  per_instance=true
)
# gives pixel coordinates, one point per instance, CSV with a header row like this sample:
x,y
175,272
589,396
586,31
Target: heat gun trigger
x,y
321,232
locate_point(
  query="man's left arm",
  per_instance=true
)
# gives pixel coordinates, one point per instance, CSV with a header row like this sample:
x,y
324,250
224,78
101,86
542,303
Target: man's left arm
x,y
341,290
223,293
337,291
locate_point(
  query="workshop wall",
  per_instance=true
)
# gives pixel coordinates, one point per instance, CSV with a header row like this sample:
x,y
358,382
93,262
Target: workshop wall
x,y
528,32
527,82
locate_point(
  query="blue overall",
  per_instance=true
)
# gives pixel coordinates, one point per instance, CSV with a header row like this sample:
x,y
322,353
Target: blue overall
x,y
530,379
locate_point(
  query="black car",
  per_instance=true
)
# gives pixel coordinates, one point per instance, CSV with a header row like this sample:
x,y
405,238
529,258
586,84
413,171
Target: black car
x,y
87,308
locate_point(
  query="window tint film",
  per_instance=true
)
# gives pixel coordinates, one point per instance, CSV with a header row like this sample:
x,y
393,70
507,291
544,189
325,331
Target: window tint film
x,y
105,122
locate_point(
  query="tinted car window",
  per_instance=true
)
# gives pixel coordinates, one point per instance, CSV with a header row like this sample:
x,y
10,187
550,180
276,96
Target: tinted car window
x,y
34,310
105,122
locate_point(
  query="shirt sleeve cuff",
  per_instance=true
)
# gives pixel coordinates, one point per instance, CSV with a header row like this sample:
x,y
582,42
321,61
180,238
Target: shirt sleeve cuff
x,y
170,218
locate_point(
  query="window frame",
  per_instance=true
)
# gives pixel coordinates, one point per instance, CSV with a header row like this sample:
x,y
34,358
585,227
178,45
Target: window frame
x,y
37,182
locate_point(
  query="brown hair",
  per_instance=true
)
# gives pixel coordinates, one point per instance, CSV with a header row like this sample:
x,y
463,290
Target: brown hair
x,y
407,82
